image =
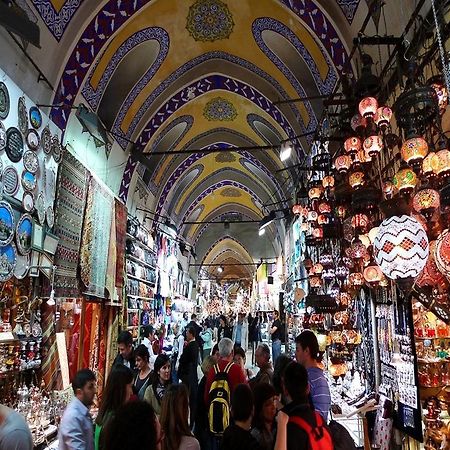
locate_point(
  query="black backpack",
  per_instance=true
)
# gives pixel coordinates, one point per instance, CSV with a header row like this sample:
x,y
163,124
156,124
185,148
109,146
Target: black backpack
x,y
342,439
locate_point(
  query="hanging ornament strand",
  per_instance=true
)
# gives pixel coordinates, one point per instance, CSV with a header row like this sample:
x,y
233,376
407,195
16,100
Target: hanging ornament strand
x,y
445,67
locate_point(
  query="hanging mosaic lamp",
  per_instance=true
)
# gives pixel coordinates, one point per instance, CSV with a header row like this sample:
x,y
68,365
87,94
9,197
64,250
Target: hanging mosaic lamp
x,y
328,182
426,202
315,282
365,240
357,250
438,84
373,275
342,163
323,219
328,274
383,117
373,145
315,192
368,107
360,221
389,190
324,208
334,291
326,260
356,179
317,233
414,150
430,275
356,279
405,180
297,209
345,299
443,165
342,272
401,247
352,145
341,211
312,216
442,253
430,165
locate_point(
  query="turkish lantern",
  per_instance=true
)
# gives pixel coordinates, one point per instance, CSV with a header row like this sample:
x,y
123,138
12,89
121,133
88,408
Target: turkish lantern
x,y
426,201
368,107
323,219
315,282
342,163
389,190
356,179
430,275
326,260
342,272
442,253
297,209
405,180
312,216
414,150
401,247
357,250
373,145
328,182
341,211
315,192
352,145
317,233
443,165
383,116
324,208
356,279
430,165
360,221
373,275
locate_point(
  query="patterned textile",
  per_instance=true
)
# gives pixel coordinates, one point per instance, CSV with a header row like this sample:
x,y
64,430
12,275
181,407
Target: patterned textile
x,y
121,231
69,212
112,260
51,373
86,334
95,240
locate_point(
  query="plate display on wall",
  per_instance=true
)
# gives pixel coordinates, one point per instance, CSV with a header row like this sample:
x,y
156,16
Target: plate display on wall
x,y
24,233
10,180
14,144
8,259
35,117
31,161
33,139
55,147
4,101
57,152
23,262
2,137
50,184
29,181
50,215
28,202
6,224
46,140
39,204
22,115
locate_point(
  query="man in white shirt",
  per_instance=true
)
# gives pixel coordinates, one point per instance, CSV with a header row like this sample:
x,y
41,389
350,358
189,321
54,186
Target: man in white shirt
x,y
148,334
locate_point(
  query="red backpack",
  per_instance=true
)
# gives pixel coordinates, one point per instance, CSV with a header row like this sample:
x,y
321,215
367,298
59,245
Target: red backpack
x,y
319,436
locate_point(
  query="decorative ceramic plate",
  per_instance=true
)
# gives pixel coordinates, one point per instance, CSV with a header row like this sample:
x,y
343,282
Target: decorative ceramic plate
x,y
46,140
55,146
29,181
57,153
23,263
14,144
8,259
6,224
22,115
50,184
4,101
10,180
35,117
28,202
2,137
40,207
50,215
33,139
24,233
31,161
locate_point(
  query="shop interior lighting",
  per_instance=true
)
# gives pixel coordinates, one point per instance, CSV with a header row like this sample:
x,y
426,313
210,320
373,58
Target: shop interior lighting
x,y
285,150
261,231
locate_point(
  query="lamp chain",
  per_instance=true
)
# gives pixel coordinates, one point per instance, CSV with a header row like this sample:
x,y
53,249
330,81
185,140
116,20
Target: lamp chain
x,y
445,67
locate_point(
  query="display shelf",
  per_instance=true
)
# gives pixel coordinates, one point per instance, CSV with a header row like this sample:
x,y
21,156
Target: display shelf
x,y
145,246
139,261
151,283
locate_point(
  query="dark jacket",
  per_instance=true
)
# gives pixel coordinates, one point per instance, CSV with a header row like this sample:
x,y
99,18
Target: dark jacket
x,y
265,375
187,370
120,361
224,332
236,438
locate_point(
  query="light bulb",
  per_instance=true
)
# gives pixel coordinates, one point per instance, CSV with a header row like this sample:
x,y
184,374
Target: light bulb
x,y
285,151
51,300
262,231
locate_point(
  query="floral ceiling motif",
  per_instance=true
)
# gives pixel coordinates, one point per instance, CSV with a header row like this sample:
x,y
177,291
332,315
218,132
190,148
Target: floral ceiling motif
x,y
230,192
209,21
220,109
225,157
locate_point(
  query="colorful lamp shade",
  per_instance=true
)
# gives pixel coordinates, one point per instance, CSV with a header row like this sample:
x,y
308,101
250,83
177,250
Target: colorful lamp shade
x,y
405,180
357,250
356,179
430,165
342,163
317,269
324,208
373,145
414,150
356,279
315,282
443,165
368,107
323,219
328,182
297,209
352,145
426,201
357,122
442,253
317,233
373,275
430,275
383,116
315,192
341,211
328,274
389,190
438,84
360,221
372,234
345,299
312,216
401,247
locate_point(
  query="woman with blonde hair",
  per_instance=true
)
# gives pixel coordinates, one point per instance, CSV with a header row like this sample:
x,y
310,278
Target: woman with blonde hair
x,y
175,420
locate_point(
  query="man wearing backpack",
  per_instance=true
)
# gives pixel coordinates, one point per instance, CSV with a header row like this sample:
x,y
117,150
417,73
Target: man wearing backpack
x,y
221,381
306,429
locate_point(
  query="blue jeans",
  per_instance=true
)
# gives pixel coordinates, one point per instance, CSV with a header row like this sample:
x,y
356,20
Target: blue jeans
x,y
276,350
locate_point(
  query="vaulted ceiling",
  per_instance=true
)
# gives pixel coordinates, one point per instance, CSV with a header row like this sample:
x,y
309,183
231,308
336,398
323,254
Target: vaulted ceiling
x,y
197,75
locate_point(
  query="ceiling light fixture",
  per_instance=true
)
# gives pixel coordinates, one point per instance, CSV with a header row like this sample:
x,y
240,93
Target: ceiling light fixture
x,y
267,220
285,150
261,231
220,269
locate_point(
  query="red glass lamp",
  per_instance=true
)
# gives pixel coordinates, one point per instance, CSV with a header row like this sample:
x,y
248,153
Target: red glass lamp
x,y
356,179
342,163
383,116
352,145
414,150
368,107
443,165
328,182
426,201
373,145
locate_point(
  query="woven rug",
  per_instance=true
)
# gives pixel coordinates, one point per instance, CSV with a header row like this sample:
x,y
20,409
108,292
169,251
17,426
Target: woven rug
x,y
95,239
69,212
121,235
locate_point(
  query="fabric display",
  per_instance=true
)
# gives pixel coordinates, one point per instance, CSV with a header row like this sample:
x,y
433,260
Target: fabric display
x,y
51,372
70,205
121,233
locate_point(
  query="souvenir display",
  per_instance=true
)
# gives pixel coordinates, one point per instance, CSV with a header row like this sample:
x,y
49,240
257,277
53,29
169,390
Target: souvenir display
x,y
57,153
46,140
22,115
6,224
40,207
55,147
8,258
2,137
29,181
14,144
10,180
22,266
30,161
4,101
33,139
24,233
50,216
28,202
35,117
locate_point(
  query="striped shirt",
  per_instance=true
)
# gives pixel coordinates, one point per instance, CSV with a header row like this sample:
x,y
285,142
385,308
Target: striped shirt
x,y
320,391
